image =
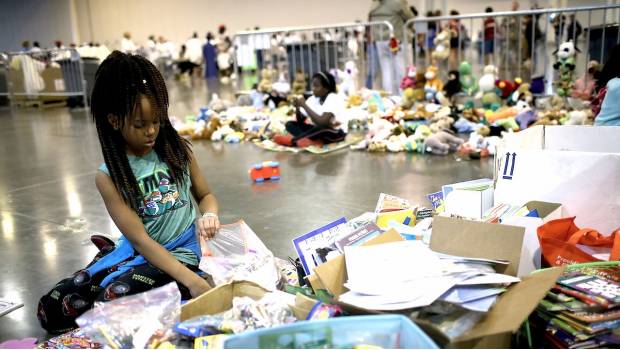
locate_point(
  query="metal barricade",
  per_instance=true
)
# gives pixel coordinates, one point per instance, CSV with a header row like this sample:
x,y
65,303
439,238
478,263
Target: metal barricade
x,y
310,49
519,43
44,77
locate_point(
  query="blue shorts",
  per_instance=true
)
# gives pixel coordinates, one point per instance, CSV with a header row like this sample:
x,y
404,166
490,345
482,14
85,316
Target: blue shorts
x,y
489,46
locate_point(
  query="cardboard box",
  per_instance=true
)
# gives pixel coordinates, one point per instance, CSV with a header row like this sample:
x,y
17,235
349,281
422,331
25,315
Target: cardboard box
x,y
530,254
577,166
465,199
220,299
474,239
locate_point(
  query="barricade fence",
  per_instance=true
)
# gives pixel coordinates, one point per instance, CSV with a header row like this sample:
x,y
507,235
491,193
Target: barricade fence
x,y
311,49
38,77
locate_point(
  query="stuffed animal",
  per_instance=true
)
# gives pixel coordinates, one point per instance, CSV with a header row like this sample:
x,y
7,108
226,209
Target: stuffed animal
x,y
420,82
410,79
433,84
453,86
299,84
442,45
523,93
507,87
442,143
525,115
490,99
218,105
354,100
468,81
565,66
509,124
502,113
282,87
408,98
348,86
575,118
265,86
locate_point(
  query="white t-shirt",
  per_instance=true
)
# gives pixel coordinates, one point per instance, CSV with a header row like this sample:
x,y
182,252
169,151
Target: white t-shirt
x,y
333,103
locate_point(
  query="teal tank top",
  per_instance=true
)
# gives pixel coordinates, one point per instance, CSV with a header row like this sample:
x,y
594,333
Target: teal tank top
x,y
166,209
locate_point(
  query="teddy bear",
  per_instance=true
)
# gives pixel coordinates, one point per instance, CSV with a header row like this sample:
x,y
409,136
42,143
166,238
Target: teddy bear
x,y
442,143
467,79
265,86
575,118
299,84
218,105
433,84
565,65
522,93
442,45
490,99
408,98
508,87
348,86
409,81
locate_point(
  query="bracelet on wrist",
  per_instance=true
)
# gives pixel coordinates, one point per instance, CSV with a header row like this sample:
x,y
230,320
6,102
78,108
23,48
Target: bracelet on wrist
x,y
209,215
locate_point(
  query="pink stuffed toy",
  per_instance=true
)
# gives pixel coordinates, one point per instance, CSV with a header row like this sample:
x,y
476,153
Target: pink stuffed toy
x,y
442,143
410,79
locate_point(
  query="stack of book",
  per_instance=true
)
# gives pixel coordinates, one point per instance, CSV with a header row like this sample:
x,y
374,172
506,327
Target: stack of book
x,y
582,310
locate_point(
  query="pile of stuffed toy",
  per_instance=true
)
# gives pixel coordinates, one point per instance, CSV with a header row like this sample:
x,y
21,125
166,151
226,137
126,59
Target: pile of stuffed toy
x,y
465,114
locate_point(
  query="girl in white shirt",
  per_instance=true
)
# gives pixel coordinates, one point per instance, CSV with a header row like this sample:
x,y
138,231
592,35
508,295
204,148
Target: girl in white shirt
x,y
316,118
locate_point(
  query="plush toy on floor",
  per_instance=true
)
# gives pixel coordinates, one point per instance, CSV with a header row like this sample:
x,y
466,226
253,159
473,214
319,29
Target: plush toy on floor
x,y
453,86
565,66
299,84
410,79
508,87
525,115
467,79
349,79
442,143
265,86
433,84
442,45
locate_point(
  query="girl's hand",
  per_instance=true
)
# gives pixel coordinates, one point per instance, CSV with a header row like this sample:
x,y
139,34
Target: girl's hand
x,y
299,101
208,225
199,287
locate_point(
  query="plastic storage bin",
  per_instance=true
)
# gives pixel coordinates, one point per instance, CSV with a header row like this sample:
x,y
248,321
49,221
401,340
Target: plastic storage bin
x,y
386,331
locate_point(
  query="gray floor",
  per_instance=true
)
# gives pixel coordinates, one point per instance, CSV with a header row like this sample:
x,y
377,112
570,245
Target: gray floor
x,y
49,205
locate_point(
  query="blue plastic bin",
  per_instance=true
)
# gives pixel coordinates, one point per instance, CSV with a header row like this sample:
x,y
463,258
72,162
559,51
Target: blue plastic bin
x,y
386,331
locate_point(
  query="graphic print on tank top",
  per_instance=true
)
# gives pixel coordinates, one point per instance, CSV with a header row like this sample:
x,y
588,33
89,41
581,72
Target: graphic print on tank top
x,y
160,194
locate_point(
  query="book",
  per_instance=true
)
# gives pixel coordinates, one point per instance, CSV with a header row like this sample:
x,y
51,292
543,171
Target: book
x,y
358,237
591,300
313,247
595,316
7,306
594,285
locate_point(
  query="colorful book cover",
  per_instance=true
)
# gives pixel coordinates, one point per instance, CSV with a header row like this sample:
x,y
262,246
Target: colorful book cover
x,y
590,300
313,246
594,285
359,236
590,317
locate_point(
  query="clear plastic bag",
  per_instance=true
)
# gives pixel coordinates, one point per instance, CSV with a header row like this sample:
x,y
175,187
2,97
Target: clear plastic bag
x,y
134,321
235,254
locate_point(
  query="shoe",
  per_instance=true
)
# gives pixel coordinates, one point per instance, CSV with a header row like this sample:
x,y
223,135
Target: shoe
x,y
101,242
283,140
306,142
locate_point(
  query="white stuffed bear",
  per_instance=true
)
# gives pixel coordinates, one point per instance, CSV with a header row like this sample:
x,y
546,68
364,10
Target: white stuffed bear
x,y
349,79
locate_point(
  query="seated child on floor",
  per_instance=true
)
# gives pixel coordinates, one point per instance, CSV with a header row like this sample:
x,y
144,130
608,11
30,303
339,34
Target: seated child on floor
x,y
318,119
147,181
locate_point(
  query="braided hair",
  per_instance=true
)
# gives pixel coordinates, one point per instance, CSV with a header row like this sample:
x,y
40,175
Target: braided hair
x,y
120,82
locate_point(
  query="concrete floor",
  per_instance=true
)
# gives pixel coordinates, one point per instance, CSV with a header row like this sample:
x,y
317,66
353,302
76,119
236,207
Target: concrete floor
x,y
49,205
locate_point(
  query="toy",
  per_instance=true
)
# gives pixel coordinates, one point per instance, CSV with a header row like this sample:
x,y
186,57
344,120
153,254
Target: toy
x,y
468,81
409,81
204,130
442,143
522,93
299,84
265,86
453,86
349,78
508,124
218,105
408,98
525,115
565,66
575,118
442,45
507,87
433,84
282,87
354,100
490,99
265,171
502,113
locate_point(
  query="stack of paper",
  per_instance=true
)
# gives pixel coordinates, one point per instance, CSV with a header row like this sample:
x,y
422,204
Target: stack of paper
x,y
407,274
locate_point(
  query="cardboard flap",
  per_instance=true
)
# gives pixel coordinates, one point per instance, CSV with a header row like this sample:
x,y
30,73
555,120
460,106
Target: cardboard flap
x,y
544,208
333,274
514,306
478,240
303,306
219,299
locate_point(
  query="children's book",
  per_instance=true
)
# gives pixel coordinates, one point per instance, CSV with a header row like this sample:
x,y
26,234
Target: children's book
x,y
594,286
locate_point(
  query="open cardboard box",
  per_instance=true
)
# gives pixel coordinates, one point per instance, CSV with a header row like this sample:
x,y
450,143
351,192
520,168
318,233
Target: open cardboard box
x,y
472,239
219,299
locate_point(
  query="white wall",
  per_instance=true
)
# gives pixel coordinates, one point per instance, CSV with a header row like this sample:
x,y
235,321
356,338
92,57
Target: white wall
x,y
34,20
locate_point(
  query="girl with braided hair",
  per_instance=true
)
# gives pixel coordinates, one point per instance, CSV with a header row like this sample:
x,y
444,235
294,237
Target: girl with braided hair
x,y
147,183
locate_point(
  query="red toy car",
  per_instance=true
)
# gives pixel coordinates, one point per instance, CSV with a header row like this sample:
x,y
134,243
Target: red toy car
x,y
265,171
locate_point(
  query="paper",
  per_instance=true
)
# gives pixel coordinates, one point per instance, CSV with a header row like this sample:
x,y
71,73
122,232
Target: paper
x,y
489,278
387,202
405,216
7,306
313,247
461,295
481,305
358,236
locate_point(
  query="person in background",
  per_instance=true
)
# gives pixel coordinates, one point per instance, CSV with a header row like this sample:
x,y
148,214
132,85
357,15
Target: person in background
x,y
454,25
127,45
209,53
392,63
153,189
36,47
584,87
151,49
194,50
573,31
318,119
432,32
489,37
25,46
419,30
608,85
559,23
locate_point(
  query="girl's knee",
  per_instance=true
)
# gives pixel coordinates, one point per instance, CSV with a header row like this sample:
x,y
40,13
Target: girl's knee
x,y
114,291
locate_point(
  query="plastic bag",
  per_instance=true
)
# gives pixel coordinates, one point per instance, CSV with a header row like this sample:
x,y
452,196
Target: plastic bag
x,y
134,321
237,254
